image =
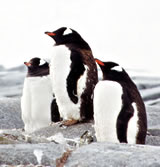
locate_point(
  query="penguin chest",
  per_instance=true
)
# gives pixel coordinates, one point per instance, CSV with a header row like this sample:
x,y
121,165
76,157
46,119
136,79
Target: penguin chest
x,y
107,106
60,70
36,102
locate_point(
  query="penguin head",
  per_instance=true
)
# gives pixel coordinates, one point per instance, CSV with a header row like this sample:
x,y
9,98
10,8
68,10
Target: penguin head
x,y
67,36
37,67
112,71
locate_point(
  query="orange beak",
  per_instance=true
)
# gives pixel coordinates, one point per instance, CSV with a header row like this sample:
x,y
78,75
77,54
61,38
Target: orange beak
x,y
50,33
27,64
99,62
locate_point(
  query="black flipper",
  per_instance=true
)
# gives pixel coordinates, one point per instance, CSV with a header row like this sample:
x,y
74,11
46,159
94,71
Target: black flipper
x,y
55,116
124,116
77,69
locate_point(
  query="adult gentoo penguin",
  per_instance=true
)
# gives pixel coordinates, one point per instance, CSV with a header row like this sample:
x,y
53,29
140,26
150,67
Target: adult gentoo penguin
x,y
119,111
37,100
74,73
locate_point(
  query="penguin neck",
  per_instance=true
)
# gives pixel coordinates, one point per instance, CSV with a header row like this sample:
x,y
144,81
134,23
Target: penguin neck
x,y
38,72
81,45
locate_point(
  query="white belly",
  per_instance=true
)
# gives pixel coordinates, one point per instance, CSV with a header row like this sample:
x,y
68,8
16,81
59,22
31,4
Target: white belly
x,y
107,105
133,126
60,69
36,103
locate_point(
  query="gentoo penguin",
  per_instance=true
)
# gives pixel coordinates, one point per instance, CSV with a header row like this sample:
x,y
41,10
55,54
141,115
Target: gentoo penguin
x,y
74,73
37,100
119,111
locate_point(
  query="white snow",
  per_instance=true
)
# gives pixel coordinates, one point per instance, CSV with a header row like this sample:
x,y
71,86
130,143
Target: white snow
x,y
59,138
38,153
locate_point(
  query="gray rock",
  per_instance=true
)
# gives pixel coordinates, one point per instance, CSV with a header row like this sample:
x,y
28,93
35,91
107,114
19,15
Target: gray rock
x,y
153,117
25,154
2,68
68,132
115,155
11,83
153,102
21,68
97,154
153,140
10,113
150,94
146,82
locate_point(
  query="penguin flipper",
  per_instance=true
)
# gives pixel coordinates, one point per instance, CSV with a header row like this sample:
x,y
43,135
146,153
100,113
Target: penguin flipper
x,y
125,114
55,116
77,69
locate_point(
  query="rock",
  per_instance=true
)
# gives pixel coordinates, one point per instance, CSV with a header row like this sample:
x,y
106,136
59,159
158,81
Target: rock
x,y
21,68
68,132
75,135
153,102
150,94
26,154
107,154
2,68
146,82
153,117
17,136
153,140
10,113
49,145
11,83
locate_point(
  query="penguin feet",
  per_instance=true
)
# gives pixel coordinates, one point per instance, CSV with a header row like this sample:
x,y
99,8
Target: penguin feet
x,y
68,122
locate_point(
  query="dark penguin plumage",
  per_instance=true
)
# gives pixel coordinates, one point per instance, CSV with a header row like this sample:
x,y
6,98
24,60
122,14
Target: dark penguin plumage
x,y
75,55
130,118
37,100
35,69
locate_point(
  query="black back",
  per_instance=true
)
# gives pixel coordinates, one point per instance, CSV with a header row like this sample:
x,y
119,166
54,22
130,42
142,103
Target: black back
x,y
130,95
35,69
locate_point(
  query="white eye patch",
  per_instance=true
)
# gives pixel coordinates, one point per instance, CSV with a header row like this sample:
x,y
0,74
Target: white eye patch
x,y
67,31
42,62
117,68
47,60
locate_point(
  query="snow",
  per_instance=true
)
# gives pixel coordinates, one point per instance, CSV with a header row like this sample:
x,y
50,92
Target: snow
x,y
38,154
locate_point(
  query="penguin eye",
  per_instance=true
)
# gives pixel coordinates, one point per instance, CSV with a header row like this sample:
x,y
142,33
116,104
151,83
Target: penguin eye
x,y
42,62
117,68
67,31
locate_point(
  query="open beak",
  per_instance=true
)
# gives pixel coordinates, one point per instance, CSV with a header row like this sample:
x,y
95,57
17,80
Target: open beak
x,y
27,64
50,34
99,62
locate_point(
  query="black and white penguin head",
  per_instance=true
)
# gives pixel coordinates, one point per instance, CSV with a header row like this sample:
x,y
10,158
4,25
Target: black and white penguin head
x,y
67,36
112,71
37,67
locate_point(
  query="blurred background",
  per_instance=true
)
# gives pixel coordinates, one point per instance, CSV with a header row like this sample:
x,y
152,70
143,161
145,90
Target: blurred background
x,y
127,32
